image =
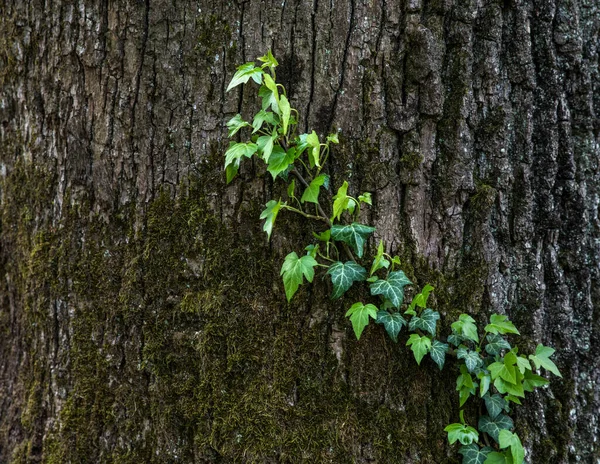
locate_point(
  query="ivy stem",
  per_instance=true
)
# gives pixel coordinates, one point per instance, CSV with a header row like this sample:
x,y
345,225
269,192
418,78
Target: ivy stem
x,y
306,215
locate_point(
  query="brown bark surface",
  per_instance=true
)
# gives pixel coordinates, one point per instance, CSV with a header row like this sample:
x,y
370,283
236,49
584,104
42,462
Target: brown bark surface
x,y
142,318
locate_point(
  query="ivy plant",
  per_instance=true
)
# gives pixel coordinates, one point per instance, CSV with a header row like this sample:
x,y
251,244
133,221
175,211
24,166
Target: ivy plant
x,y
490,369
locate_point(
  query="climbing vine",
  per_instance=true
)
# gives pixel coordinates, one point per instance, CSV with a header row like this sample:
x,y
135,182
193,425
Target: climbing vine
x,y
490,367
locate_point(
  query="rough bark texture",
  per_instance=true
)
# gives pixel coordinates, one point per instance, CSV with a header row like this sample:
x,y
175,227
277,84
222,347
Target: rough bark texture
x,y
142,316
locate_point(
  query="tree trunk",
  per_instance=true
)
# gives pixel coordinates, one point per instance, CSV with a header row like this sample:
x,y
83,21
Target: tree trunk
x,y
142,315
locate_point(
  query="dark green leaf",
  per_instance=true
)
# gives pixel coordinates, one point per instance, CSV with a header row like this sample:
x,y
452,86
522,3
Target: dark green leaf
x,y
427,321
354,235
499,324
392,288
495,404
359,316
292,271
311,194
438,353
232,169
455,339
419,346
392,322
495,344
472,358
343,275
472,454
493,426
532,381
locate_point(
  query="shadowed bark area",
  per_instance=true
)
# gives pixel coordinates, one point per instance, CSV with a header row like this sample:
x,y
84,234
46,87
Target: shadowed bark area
x,y
142,316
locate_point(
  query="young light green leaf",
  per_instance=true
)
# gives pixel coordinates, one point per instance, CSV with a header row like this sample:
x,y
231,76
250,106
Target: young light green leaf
x,y
261,117
359,316
466,327
312,250
438,353
244,73
461,433
237,150
269,96
531,381
286,112
523,364
292,271
379,261
365,198
484,383
499,324
314,158
280,160
311,194
235,124
341,200
495,344
232,169
493,426
291,190
265,147
498,458
333,138
472,454
343,275
420,346
420,299
354,235
504,371
495,404
269,60
511,440
542,359
514,389
269,214
427,321
472,358
392,322
323,236
391,288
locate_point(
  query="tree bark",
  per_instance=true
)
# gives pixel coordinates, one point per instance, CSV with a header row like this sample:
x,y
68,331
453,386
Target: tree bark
x,y
142,315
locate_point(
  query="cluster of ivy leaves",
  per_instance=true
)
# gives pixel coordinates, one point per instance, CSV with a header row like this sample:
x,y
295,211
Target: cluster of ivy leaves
x,y
490,368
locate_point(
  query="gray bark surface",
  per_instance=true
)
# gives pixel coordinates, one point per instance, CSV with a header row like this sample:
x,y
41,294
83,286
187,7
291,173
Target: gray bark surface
x,y
142,317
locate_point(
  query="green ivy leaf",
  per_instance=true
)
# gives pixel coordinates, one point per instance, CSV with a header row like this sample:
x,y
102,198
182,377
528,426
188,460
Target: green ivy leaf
x,y
323,236
472,454
438,353
311,194
472,358
269,95
265,147
343,275
392,288
499,324
312,250
291,190
495,344
515,389
312,140
232,169
261,117
392,322
292,271
495,404
237,150
280,160
461,433
542,359
379,261
532,381
244,73
269,60
333,138
359,316
235,124
484,383
354,235
454,339
523,364
465,385
366,198
341,201
511,440
427,321
493,426
420,299
420,346
465,326
504,371
286,112
498,458
269,215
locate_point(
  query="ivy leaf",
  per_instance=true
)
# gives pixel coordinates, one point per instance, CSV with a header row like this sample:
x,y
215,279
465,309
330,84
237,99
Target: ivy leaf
x,y
286,112
280,160
235,124
311,194
472,358
455,339
231,170
484,383
354,235
366,198
495,404
333,138
493,426
427,321
462,433
514,389
419,300
542,359
419,346
465,385
265,146
472,454
512,398
495,344
392,322
511,440
261,117
244,73
523,364
504,371
392,288
438,353
343,275
237,150
291,190
498,458
466,327
292,271
499,324
269,60
269,215
359,316
312,140
379,261
269,95
323,236
341,201
532,381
